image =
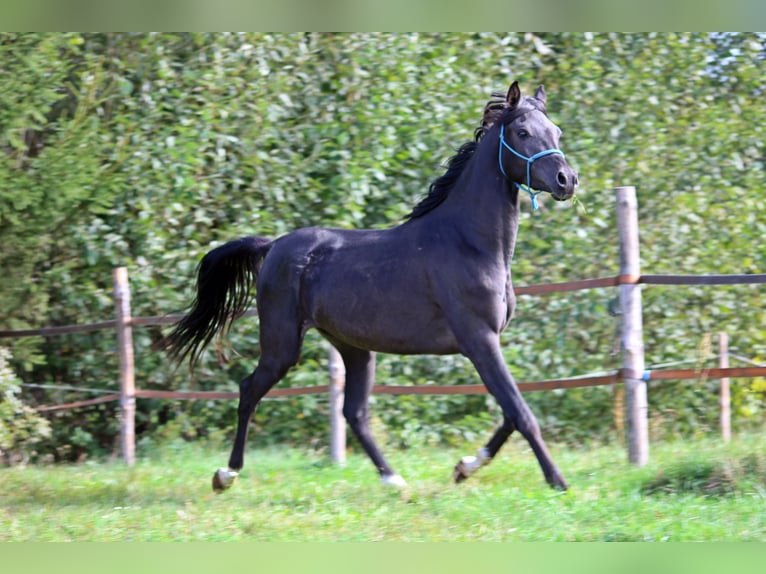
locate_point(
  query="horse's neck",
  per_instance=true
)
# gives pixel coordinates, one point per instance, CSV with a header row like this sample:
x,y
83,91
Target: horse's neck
x,y
485,205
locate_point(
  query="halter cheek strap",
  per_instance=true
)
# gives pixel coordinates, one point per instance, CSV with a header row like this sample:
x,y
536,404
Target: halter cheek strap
x,y
528,187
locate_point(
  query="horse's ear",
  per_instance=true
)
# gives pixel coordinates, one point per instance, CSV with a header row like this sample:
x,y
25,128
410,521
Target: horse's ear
x,y
514,95
540,94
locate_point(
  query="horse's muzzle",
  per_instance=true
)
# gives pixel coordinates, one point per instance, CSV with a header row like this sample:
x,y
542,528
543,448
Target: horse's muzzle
x,y
566,184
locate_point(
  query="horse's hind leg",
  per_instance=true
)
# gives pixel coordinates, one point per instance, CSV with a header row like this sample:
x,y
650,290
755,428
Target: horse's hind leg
x,y
276,360
360,377
470,464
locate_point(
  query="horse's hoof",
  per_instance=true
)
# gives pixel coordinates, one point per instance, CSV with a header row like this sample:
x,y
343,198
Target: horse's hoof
x,y
468,465
394,480
460,473
223,479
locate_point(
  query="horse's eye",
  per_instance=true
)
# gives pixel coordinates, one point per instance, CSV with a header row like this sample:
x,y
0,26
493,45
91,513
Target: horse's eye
x,y
523,133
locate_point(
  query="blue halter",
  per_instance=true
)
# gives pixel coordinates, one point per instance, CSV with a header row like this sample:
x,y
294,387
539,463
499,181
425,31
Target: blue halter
x,y
528,187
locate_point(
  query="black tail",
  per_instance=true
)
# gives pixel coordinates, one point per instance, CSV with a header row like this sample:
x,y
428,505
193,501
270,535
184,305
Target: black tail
x,y
226,278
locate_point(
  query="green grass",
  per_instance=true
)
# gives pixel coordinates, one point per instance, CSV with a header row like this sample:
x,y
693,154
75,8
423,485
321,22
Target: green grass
x,y
289,495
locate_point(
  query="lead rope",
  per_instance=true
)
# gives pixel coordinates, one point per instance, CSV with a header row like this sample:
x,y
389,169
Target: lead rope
x,y
528,187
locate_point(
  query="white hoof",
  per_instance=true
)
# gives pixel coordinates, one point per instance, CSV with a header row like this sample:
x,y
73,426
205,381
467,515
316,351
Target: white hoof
x,y
394,480
224,478
470,464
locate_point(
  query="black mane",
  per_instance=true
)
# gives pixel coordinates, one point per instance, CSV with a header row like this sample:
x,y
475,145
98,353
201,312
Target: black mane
x,y
440,188
496,109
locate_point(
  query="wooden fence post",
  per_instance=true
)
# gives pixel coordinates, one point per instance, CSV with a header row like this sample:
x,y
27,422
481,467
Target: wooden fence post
x,y
636,404
337,422
725,396
127,373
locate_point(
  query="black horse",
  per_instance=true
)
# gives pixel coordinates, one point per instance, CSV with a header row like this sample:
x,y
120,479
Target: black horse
x,y
439,283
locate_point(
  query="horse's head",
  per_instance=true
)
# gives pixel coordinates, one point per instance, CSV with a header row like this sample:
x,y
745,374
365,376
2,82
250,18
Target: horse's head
x,y
528,152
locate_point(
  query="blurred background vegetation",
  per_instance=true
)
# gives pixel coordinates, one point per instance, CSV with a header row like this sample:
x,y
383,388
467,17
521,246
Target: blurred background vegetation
x,y
145,150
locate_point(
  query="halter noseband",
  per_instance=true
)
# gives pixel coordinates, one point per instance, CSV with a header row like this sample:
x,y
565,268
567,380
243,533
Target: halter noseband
x,y
528,187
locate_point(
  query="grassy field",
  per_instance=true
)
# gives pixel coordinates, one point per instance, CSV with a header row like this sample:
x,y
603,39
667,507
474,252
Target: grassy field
x,y
701,491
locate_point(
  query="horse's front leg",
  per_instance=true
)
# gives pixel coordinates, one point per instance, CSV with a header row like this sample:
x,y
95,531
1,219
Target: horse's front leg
x,y
484,352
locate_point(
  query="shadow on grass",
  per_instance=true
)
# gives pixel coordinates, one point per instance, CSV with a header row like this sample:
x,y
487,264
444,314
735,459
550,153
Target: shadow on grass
x,y
705,477
92,495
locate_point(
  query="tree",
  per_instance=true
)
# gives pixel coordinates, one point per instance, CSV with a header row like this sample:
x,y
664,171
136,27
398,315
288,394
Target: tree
x,y
49,180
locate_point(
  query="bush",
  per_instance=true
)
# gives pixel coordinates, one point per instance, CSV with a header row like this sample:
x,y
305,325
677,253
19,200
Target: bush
x,y
21,428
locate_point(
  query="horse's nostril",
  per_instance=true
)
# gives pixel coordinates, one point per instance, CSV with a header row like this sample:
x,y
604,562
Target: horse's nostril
x,y
562,179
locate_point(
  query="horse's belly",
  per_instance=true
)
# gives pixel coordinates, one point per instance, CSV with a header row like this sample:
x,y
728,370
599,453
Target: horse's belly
x,y
400,325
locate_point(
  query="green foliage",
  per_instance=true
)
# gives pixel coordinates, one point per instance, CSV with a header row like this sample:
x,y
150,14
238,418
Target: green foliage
x,y
54,172
21,428
146,150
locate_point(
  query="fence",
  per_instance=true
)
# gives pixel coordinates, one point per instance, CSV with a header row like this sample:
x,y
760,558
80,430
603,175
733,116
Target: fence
x,y
632,374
